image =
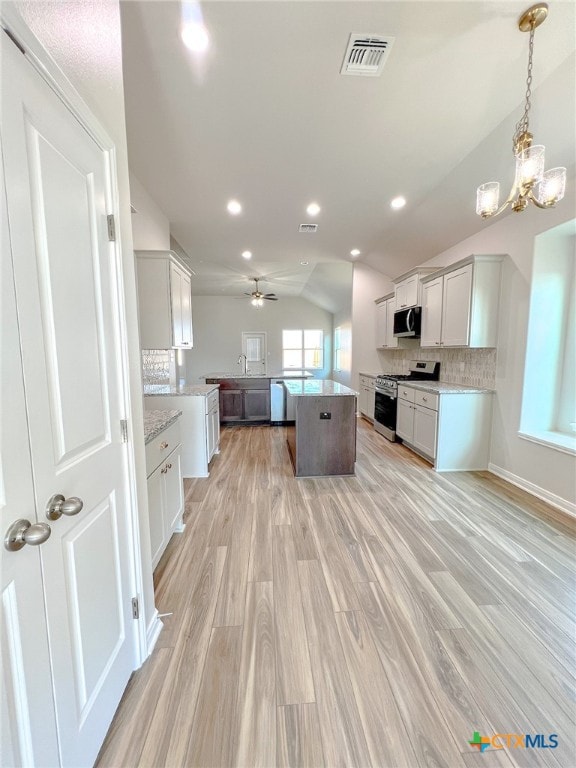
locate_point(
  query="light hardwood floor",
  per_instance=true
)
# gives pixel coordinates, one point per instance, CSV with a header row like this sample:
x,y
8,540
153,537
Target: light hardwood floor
x,y
377,620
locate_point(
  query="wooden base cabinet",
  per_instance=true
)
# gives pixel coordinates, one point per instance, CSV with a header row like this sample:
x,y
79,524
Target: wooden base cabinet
x,y
244,401
165,491
451,430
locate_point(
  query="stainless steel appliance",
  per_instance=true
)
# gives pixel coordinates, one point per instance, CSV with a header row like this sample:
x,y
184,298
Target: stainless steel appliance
x,y
386,393
407,322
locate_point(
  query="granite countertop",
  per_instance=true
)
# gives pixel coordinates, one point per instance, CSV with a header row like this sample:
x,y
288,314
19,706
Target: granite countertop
x,y
371,375
317,387
154,390
280,375
156,422
444,388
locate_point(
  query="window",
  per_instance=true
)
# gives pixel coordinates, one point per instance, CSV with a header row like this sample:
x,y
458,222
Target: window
x,y
302,349
338,349
548,402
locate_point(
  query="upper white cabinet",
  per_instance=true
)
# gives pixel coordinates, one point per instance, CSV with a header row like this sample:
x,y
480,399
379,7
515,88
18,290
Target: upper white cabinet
x,y
385,308
164,301
460,304
408,290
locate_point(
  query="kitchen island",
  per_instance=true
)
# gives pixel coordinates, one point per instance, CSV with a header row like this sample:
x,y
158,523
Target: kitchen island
x,y
323,438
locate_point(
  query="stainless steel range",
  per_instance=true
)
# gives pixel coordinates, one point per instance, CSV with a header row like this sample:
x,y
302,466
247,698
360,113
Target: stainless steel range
x,y
385,405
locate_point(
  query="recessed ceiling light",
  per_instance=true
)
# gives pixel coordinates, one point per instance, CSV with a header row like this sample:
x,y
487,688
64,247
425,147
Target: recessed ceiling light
x,y
195,37
398,202
304,263
354,252
246,254
313,209
234,207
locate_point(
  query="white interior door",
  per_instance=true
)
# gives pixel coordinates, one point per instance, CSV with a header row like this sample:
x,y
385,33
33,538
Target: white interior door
x,y
58,188
28,735
254,347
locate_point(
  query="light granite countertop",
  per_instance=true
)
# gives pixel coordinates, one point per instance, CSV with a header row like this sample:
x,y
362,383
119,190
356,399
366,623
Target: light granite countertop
x,y
156,422
154,390
280,375
371,375
317,388
445,388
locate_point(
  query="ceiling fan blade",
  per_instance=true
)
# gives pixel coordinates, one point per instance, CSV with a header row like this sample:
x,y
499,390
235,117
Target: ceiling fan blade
x,y
270,298
267,295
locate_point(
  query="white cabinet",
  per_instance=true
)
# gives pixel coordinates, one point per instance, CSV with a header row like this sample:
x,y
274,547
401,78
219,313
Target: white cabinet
x,y
385,308
450,429
165,491
461,303
408,289
407,293
164,301
366,396
200,424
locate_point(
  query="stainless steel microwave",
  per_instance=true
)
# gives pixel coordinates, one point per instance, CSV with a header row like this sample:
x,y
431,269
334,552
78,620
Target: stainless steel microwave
x,y
407,322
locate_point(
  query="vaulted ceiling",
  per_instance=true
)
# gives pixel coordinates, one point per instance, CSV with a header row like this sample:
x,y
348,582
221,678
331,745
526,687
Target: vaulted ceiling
x,y
266,117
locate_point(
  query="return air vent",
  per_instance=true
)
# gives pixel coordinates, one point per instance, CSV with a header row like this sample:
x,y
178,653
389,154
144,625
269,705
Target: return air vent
x,y
366,54
308,228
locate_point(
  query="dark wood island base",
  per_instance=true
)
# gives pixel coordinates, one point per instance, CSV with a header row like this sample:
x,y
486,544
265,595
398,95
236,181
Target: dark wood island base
x,y
323,439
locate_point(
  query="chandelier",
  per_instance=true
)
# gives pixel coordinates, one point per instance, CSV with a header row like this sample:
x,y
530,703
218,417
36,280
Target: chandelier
x,y
531,183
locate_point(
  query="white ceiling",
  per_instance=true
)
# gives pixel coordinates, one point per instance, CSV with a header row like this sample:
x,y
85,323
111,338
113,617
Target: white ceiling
x,y
267,118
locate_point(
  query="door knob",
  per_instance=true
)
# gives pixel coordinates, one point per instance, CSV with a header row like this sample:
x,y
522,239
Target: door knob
x,y
22,532
58,506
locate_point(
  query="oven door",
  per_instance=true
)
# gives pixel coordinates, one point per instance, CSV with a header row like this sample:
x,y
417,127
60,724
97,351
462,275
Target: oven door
x,y
385,414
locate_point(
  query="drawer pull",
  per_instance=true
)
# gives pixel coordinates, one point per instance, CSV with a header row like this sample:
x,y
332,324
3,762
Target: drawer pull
x,y
163,445
425,399
168,466
163,471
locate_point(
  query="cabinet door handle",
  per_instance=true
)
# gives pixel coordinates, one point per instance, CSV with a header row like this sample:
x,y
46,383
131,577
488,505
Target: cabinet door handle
x,y
425,399
168,466
163,446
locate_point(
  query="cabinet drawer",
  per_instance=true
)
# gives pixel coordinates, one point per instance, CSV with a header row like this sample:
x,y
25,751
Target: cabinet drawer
x,y
367,381
427,399
211,401
405,393
162,446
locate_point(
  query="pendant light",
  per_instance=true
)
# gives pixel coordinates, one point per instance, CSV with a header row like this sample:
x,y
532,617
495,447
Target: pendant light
x,y
531,183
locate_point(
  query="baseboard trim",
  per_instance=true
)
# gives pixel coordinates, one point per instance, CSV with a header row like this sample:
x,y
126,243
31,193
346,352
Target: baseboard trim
x,y
153,633
550,498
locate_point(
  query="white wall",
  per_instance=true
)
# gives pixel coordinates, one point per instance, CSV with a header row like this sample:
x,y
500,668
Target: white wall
x,y
343,320
220,320
150,226
367,286
544,470
93,64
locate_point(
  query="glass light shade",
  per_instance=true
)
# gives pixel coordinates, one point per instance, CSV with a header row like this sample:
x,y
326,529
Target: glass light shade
x,y
530,165
552,187
487,197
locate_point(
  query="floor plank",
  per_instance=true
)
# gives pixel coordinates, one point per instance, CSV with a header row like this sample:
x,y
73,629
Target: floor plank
x,y
374,620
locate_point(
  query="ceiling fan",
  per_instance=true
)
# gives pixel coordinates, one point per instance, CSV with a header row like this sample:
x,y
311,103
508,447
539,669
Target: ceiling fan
x,y
257,295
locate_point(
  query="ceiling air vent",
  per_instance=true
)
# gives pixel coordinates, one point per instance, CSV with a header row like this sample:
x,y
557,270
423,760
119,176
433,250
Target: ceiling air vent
x,y
366,54
308,228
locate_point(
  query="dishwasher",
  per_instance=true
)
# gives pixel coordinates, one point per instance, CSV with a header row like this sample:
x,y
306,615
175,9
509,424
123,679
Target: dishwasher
x,y
281,406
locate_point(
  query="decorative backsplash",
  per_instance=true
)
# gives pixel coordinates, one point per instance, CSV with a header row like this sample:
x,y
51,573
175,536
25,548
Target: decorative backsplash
x,y
158,366
471,367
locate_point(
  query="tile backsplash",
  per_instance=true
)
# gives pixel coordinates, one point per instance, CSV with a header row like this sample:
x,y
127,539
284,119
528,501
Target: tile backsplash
x,y
158,366
471,367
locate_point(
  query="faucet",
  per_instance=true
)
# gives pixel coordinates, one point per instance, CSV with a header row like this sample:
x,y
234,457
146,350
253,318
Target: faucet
x,y
243,361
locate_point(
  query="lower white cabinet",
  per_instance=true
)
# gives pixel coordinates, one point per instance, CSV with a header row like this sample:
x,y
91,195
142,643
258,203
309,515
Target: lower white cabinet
x,y
451,429
366,396
165,491
200,425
